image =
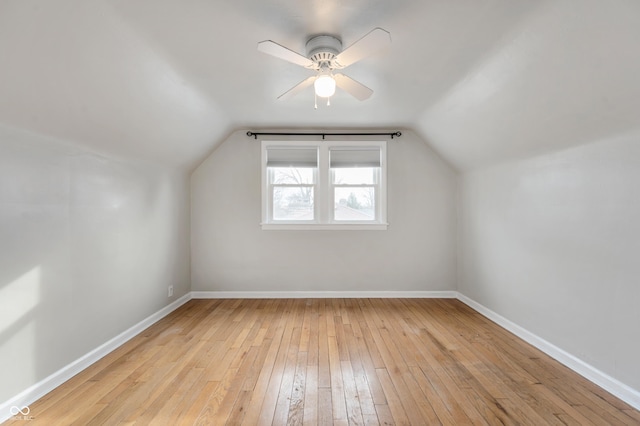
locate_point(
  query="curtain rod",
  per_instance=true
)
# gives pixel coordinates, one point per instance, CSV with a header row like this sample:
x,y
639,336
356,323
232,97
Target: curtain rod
x,y
256,134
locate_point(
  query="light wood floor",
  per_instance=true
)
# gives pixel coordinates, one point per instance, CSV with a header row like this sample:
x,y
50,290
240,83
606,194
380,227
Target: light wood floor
x,y
328,361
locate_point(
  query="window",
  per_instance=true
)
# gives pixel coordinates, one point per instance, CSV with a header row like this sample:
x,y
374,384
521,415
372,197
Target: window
x,y
292,177
323,185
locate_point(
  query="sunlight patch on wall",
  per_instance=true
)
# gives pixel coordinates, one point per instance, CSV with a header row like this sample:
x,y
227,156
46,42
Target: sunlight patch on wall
x,y
19,300
19,297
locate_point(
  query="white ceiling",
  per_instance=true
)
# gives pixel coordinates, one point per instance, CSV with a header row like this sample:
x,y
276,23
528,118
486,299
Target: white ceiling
x,y
166,80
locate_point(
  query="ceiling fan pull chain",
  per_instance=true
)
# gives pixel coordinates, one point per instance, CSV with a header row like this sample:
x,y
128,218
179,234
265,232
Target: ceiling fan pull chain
x,y
329,101
315,101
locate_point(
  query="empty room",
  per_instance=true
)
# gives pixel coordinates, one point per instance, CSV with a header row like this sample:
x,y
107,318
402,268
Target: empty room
x,y
320,212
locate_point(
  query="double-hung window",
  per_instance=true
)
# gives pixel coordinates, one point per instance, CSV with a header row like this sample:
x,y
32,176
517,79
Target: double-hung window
x,y
323,185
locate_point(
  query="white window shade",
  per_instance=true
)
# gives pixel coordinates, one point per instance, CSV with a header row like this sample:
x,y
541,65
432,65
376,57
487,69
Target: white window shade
x,y
292,157
355,158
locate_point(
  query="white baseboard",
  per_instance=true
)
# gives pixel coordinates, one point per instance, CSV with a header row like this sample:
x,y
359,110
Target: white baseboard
x,y
323,294
38,390
608,383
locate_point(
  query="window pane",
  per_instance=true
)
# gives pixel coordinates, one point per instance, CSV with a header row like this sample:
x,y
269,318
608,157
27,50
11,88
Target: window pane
x,y
354,204
291,175
293,203
354,175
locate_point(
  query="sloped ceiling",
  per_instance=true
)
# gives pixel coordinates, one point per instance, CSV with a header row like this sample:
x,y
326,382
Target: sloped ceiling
x,y
481,80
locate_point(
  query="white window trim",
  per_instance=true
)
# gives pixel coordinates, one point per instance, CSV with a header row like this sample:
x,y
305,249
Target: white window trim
x,y
323,189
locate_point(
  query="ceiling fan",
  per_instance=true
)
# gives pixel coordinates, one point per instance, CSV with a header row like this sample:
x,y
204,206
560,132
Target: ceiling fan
x,y
325,56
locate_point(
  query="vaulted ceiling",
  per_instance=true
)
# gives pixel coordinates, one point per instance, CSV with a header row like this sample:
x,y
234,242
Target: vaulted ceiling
x,y
481,81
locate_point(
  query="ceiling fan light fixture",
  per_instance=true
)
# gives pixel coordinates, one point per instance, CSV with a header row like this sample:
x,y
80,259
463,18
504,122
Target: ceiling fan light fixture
x,y
326,55
325,86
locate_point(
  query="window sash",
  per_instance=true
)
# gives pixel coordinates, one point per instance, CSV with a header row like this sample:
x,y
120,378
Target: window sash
x,y
375,185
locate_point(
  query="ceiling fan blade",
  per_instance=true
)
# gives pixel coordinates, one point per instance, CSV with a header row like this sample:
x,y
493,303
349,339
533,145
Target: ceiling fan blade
x,y
375,40
274,49
352,87
297,88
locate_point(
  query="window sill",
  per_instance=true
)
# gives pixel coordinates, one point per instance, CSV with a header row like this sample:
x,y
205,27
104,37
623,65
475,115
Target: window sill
x,y
324,227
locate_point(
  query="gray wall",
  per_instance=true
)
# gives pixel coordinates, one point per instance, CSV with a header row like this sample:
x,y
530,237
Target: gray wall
x,y
88,246
553,244
230,252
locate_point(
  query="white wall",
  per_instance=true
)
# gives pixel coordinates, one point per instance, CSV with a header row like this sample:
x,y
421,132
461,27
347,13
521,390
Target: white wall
x,y
553,244
88,246
230,252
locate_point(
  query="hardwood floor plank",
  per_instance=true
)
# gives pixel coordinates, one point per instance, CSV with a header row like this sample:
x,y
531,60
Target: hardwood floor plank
x,y
232,400
324,372
328,361
339,406
366,367
289,375
277,378
325,406
310,414
363,389
210,409
239,409
561,407
195,405
296,401
438,404
312,347
341,340
394,402
351,397
417,405
305,334
634,414
385,418
176,404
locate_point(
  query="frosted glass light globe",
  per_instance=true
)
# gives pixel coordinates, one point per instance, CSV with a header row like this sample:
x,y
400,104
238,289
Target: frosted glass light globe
x,y
325,86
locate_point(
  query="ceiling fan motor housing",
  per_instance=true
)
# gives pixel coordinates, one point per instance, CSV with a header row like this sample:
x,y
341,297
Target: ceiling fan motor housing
x,y
323,49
